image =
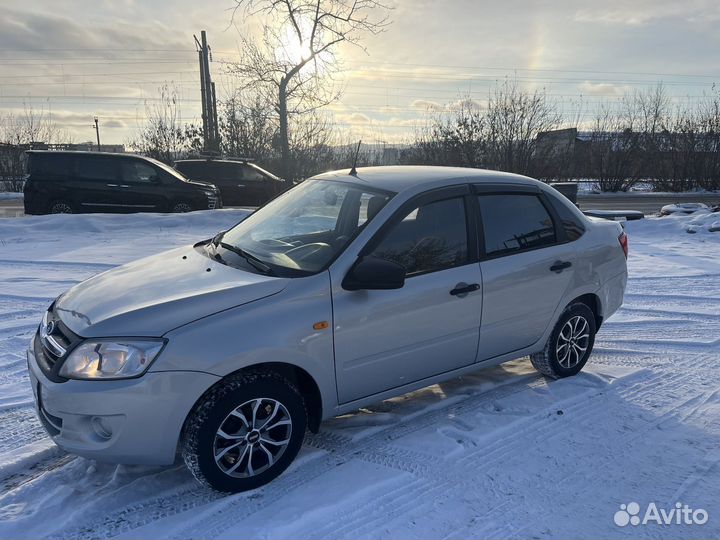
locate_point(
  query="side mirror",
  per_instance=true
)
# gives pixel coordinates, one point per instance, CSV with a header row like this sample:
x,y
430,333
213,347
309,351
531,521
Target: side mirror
x,y
371,273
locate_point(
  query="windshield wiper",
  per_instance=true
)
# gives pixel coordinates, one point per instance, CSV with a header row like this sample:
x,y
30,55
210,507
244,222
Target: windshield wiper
x,y
250,258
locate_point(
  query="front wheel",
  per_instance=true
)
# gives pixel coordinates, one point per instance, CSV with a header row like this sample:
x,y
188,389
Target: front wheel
x,y
570,344
182,207
244,432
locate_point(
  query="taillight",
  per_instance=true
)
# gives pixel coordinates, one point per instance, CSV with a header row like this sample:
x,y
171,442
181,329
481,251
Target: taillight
x,y
623,239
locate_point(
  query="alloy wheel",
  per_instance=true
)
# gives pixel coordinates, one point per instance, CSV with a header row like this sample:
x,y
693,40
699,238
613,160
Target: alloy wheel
x,y
252,438
182,208
61,208
572,342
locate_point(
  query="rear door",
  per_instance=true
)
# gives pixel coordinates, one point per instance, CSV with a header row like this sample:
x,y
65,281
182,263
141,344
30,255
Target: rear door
x,y
97,179
526,268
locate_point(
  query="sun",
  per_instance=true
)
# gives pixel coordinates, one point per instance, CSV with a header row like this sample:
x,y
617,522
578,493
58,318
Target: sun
x,y
292,49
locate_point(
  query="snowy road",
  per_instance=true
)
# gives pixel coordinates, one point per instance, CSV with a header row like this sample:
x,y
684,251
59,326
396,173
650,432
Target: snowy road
x,y
501,453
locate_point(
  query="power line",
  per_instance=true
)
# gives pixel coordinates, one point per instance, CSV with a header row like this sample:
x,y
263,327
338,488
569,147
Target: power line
x,y
120,74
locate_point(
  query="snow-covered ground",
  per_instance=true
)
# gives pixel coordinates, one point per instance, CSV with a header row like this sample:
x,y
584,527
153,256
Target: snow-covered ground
x,y
500,453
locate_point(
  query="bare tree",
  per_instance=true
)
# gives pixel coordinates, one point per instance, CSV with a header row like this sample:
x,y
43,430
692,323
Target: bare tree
x,y
163,135
500,135
294,62
248,126
515,118
19,133
612,147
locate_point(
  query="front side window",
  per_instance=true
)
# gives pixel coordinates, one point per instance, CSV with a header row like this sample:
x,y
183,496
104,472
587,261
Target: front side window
x,y
515,222
252,175
429,238
135,172
308,226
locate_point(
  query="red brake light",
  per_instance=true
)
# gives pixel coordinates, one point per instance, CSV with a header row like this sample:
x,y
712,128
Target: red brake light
x,y
623,239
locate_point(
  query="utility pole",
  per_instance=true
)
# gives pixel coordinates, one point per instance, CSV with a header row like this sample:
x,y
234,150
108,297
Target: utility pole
x,y
97,133
211,133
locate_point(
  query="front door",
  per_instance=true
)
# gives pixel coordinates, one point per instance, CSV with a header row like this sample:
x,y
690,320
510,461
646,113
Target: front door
x,y
140,189
526,271
389,338
257,186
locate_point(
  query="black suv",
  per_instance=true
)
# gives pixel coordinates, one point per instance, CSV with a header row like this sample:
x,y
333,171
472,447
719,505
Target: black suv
x,y
241,183
75,182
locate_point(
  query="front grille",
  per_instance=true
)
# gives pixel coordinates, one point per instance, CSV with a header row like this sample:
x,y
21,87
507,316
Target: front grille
x,y
213,202
52,342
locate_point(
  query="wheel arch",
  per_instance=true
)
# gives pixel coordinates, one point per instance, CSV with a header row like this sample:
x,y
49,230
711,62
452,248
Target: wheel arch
x,y
304,382
592,301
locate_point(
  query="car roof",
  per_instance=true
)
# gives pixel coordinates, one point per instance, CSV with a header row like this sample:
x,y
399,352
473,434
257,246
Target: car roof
x,y
83,153
398,178
215,160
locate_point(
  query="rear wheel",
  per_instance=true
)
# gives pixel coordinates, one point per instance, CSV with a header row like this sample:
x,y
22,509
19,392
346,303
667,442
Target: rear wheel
x,y
61,207
244,432
570,344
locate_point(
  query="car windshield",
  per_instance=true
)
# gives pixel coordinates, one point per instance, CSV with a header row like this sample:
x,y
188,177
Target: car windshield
x,y
177,174
302,231
263,171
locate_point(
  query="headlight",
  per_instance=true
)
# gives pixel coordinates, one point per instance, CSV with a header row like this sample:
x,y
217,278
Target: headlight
x,y
116,359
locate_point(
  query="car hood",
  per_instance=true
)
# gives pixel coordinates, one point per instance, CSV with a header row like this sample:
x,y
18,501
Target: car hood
x,y
204,185
152,296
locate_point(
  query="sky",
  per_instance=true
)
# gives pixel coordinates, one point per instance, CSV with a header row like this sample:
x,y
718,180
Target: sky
x,y
73,60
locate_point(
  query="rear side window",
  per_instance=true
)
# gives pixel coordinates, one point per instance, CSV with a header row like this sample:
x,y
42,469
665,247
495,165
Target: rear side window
x,y
429,238
49,165
569,219
515,222
97,168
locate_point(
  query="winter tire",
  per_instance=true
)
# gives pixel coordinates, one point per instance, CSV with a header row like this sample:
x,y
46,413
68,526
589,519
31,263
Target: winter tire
x,y
61,207
244,432
570,343
182,207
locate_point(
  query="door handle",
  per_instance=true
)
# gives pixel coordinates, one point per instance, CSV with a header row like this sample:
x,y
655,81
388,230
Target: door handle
x,y
462,289
559,266
241,185
112,185
124,186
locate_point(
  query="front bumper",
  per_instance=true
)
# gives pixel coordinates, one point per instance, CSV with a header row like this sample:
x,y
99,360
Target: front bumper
x,y
134,421
214,201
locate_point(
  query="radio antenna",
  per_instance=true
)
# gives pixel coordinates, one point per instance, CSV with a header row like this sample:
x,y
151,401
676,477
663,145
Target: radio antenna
x,y
353,171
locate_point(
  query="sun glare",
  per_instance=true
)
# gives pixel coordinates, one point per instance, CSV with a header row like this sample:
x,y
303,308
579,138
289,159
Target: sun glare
x,y
292,49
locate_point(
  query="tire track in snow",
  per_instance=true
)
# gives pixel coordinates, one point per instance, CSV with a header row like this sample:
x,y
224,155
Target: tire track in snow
x,y
490,463
378,450
340,449
35,471
373,449
489,456
19,425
